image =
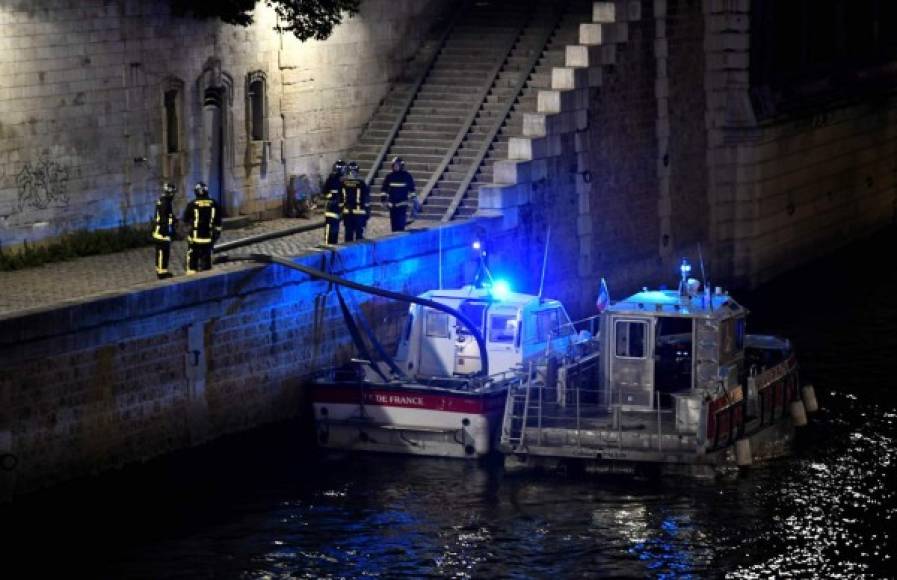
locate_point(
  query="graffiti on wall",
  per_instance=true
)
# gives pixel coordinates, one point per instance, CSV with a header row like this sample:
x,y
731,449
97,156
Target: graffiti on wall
x,y
42,184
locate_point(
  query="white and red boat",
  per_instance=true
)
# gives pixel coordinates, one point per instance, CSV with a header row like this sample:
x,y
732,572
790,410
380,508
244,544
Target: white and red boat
x,y
458,354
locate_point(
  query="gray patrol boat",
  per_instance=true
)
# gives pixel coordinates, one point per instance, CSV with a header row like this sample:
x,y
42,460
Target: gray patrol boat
x,y
673,381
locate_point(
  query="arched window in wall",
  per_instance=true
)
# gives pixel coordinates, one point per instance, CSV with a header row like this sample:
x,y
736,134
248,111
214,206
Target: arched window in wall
x,y
172,122
255,105
172,115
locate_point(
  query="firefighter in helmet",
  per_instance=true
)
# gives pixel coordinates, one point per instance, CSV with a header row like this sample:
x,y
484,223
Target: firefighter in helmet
x,y
356,203
397,193
333,202
203,218
164,224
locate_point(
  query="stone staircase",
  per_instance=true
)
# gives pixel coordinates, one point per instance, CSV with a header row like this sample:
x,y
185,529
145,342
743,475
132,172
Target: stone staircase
x,y
553,54
454,94
465,60
555,134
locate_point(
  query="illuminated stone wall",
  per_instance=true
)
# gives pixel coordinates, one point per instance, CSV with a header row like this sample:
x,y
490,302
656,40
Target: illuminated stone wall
x,y
84,134
96,385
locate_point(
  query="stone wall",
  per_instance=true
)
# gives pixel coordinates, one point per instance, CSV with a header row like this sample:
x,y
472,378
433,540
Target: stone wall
x,y
96,385
655,105
787,189
101,100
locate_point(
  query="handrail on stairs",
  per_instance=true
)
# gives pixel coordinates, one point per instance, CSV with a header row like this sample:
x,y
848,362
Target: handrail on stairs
x,y
409,100
452,208
471,117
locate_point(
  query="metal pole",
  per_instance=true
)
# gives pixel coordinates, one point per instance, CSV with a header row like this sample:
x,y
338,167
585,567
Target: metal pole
x,y
578,413
659,430
619,418
544,262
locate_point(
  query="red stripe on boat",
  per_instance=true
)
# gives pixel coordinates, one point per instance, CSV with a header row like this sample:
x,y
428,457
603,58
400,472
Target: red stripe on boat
x,y
410,399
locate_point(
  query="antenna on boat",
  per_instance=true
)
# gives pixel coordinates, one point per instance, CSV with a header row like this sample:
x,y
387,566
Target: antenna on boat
x,y
544,261
707,295
701,259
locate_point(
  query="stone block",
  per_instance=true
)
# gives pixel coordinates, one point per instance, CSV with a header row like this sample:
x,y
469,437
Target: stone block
x,y
504,196
660,8
581,119
581,56
728,23
584,202
634,10
508,171
618,33
568,78
661,48
604,12
662,88
727,6
665,207
555,101
584,225
535,124
549,101
591,33
726,41
581,141
660,28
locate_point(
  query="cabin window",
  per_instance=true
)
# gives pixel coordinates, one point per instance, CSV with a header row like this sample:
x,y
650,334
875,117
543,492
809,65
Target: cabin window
x,y
437,324
547,325
502,328
630,338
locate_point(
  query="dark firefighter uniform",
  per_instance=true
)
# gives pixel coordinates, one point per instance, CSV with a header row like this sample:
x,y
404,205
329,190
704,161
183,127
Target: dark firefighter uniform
x,y
398,193
203,218
356,206
333,205
163,230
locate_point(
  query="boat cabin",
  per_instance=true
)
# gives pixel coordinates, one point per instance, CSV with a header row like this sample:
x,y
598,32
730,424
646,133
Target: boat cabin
x,y
663,346
517,328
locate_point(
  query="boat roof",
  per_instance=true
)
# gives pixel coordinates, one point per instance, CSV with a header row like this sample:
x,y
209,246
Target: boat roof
x,y
512,299
670,303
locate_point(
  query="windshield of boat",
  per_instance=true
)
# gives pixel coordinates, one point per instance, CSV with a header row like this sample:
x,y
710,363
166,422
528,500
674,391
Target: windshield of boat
x,y
502,327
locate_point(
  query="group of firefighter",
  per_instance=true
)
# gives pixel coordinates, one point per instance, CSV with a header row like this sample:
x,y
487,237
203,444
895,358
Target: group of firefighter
x,y
347,200
202,217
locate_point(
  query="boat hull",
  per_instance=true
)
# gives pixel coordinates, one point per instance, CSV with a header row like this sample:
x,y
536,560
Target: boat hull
x,y
409,419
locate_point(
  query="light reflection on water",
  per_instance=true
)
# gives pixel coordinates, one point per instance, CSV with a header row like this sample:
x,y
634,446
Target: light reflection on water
x,y
826,512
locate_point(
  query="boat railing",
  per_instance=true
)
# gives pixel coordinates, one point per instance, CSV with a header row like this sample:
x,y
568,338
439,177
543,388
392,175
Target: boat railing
x,y
578,416
771,391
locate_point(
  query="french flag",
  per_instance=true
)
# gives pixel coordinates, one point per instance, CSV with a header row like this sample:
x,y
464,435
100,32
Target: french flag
x,y
603,300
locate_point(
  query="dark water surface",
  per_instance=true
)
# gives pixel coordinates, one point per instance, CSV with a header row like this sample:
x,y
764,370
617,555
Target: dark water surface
x,y
260,506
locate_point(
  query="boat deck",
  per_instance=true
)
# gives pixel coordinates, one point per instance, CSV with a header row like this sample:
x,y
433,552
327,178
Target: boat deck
x,y
591,430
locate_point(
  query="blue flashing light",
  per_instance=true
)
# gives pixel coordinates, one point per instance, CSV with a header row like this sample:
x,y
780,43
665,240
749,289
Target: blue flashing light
x,y
476,245
685,269
500,289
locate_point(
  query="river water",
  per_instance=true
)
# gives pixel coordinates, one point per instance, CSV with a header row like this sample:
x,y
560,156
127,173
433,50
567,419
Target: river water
x,y
259,505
